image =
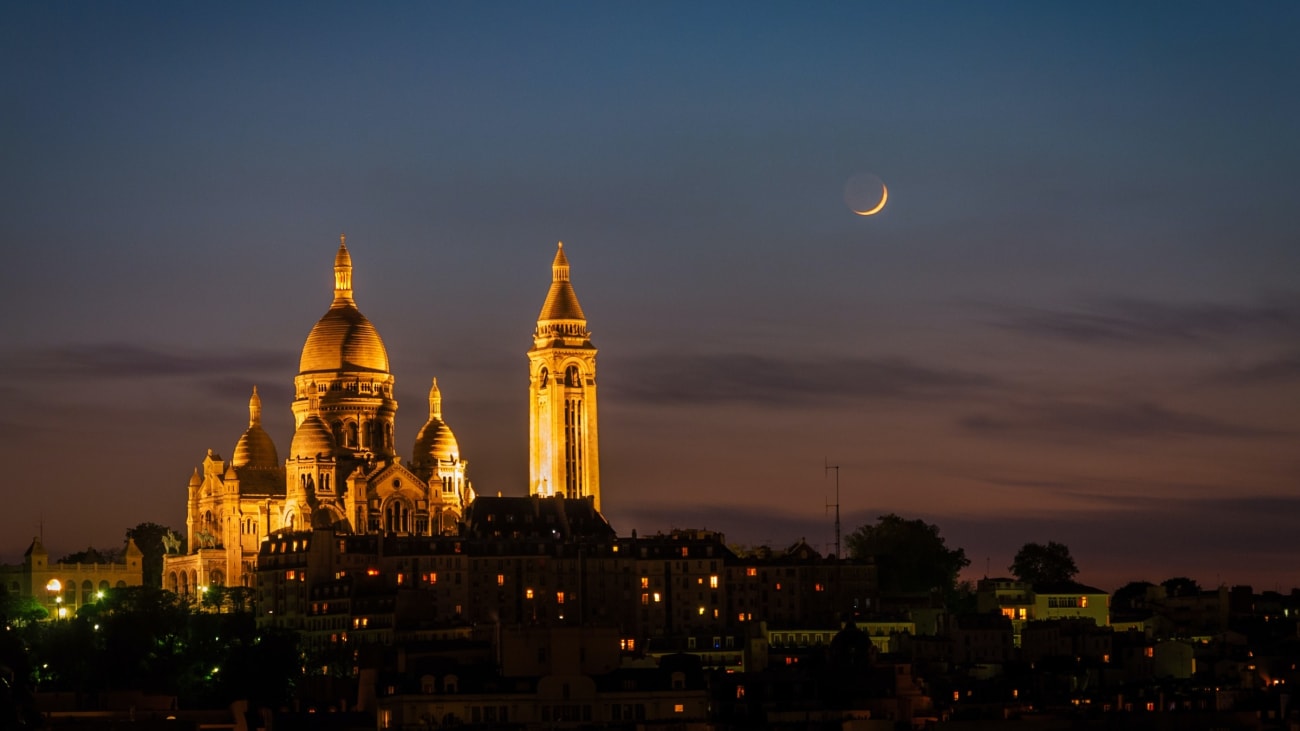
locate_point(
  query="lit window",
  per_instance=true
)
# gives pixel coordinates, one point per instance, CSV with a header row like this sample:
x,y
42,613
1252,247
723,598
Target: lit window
x,y
372,572
701,611
751,571
685,552
645,582
713,582
433,577
715,613
645,598
528,593
401,578
559,597
1150,652
740,691
700,581
656,597
679,708
501,579
1083,602
819,587
290,575
778,586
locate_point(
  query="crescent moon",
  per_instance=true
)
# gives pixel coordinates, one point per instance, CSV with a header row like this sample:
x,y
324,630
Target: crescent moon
x,y
884,196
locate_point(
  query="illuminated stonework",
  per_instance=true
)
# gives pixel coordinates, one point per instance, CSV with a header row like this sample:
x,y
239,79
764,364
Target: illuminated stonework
x,y
342,470
564,456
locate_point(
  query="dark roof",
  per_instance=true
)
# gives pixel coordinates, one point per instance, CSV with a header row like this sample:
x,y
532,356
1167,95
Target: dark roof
x,y
534,517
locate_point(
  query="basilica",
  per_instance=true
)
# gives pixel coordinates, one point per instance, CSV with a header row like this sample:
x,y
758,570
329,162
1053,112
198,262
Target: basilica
x,y
343,470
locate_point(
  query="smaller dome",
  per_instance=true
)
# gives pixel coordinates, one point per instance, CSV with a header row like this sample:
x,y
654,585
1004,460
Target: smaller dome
x,y
255,448
436,443
312,439
195,479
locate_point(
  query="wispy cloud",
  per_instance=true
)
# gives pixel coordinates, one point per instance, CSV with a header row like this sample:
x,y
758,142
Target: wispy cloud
x,y
759,379
1282,369
129,361
1072,419
1130,321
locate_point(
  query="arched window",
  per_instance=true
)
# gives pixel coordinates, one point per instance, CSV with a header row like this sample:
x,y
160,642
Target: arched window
x,y
572,377
217,578
544,377
352,434
367,431
397,517
337,428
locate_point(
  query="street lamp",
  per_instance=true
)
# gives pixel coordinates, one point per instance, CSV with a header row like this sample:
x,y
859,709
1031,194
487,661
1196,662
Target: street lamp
x,y
52,588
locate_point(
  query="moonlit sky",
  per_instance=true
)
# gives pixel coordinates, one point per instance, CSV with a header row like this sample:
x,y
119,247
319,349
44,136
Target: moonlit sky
x,y
1077,319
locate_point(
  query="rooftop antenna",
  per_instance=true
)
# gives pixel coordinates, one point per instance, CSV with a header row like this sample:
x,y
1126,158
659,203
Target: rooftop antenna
x,y
836,504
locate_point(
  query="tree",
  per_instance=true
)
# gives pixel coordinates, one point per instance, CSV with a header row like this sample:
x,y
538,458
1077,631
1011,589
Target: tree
x,y
94,555
910,555
1130,597
1038,564
1181,586
148,538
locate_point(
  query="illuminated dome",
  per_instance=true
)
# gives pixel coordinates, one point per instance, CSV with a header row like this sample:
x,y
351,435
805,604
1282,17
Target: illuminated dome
x,y
312,439
435,442
343,340
255,448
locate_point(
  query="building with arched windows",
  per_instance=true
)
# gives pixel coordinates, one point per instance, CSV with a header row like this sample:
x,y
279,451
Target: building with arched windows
x,y
342,470
63,588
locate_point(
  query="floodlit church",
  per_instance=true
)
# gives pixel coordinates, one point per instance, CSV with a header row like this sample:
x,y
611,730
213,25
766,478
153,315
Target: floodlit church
x,y
343,469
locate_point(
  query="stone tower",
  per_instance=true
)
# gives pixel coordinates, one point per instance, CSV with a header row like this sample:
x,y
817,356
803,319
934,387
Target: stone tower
x,y
564,453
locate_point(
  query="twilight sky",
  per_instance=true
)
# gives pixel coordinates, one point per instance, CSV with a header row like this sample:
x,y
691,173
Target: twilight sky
x,y
1077,319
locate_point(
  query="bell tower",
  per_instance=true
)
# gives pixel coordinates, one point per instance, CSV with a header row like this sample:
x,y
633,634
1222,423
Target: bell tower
x,y
564,453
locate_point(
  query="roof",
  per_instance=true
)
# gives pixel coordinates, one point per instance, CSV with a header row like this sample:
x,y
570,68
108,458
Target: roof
x,y
561,301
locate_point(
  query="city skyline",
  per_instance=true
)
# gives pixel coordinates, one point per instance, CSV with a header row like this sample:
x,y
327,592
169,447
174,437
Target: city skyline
x,y
1074,320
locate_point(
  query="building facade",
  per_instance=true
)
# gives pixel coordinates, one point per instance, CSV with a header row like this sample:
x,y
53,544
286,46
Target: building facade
x,y
342,470
63,588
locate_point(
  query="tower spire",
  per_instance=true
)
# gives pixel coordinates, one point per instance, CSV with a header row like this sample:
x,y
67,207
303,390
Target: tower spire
x,y
254,409
343,272
435,401
560,267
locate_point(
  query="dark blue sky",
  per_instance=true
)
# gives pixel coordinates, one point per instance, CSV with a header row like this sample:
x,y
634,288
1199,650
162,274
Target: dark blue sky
x,y
1075,320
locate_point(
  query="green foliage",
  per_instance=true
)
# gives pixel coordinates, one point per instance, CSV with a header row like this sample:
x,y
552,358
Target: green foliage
x,y
910,555
148,538
19,610
1036,563
148,639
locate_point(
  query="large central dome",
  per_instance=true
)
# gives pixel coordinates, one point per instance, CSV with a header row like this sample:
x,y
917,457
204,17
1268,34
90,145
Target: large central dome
x,y
343,340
